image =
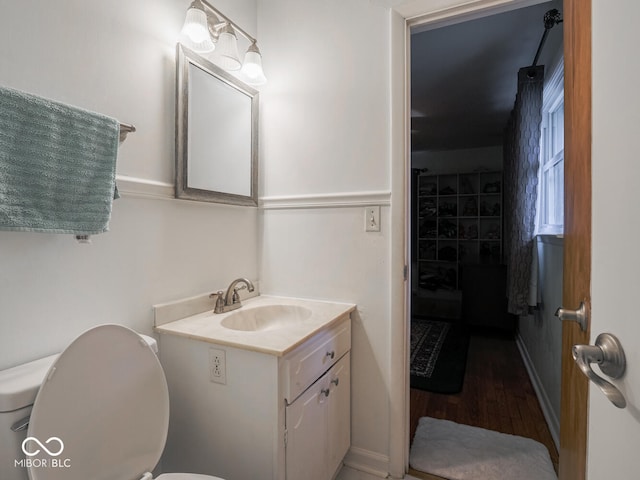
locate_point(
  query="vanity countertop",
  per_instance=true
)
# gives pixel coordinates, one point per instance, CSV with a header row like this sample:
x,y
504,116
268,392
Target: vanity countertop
x,y
208,327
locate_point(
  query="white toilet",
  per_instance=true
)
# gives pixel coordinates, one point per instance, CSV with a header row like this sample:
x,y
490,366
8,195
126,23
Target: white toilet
x,y
101,412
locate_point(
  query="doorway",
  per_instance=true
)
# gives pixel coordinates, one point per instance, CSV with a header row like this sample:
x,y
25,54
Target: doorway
x,y
457,228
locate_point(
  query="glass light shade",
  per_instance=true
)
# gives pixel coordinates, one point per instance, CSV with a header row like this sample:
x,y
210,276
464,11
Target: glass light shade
x,y
195,28
195,25
252,67
228,49
206,46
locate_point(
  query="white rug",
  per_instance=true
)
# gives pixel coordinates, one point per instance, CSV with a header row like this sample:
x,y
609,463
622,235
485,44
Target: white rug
x,y
461,452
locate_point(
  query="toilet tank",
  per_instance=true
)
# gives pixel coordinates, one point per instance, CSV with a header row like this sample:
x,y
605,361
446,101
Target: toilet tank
x,y
18,389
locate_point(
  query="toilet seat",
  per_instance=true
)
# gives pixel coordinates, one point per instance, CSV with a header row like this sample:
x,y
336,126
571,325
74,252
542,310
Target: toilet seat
x,y
102,411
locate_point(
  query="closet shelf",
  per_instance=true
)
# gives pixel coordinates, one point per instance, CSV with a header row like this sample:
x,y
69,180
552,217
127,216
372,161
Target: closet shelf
x,y
459,220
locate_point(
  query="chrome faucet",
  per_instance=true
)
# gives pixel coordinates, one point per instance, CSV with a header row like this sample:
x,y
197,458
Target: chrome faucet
x,y
225,302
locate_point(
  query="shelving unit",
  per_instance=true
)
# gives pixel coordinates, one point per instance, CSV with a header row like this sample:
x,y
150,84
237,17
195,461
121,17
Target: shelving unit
x,y
459,220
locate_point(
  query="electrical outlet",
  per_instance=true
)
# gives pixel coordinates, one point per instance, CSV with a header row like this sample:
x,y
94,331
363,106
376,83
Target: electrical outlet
x,y
372,219
217,366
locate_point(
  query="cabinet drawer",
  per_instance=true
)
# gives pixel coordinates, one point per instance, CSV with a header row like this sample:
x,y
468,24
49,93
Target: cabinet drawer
x,y
308,362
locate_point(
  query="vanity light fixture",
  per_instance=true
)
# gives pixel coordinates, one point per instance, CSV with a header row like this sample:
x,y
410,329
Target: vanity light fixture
x,y
205,25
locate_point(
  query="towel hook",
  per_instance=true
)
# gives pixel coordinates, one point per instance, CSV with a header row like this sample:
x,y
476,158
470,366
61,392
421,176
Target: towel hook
x,y
126,129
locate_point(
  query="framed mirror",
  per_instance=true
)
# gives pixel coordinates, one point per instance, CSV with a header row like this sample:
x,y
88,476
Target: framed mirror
x,y
216,133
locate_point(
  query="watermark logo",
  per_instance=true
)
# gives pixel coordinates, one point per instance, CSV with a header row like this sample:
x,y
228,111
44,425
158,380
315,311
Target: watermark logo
x,y
29,453
53,447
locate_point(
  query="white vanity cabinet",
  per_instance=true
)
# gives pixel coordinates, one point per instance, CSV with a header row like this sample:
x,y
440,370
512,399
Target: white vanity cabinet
x,y
278,416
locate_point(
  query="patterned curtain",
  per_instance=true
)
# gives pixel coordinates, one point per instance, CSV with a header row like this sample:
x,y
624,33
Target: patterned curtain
x,y
521,160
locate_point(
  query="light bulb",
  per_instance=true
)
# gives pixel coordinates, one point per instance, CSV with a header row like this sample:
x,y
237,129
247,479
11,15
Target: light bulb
x,y
252,66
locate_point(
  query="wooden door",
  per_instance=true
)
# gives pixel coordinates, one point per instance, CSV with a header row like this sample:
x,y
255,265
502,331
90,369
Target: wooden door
x,y
577,237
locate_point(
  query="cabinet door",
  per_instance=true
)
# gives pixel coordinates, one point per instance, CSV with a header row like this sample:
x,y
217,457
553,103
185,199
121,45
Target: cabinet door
x,y
339,415
306,449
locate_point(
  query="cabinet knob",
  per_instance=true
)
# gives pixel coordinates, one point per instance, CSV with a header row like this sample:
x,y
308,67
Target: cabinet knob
x,y
331,354
335,381
326,392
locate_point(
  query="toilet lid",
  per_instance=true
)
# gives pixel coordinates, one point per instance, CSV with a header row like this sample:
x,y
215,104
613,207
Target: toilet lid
x,y
102,411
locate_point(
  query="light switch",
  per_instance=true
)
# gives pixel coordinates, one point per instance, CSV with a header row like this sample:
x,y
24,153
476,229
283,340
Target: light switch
x,y
372,219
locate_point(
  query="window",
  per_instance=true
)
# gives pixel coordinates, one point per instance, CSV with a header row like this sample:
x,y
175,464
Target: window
x,y
551,175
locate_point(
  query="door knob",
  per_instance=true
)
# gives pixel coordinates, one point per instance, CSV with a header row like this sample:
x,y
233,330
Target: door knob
x,y
580,315
609,355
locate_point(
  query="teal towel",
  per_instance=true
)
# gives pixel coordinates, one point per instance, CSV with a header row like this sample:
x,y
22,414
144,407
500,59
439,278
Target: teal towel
x,y
57,166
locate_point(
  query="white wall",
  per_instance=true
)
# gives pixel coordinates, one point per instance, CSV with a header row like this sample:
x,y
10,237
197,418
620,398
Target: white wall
x,y
458,161
540,334
614,435
326,126
325,110
117,58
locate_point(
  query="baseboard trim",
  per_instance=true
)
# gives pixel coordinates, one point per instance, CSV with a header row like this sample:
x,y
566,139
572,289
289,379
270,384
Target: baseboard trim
x,y
545,404
368,462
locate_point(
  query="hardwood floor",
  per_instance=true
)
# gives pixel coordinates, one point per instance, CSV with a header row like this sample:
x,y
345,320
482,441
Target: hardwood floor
x,y
497,395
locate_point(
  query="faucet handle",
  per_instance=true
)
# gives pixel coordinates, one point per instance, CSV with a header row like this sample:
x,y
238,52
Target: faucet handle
x,y
219,308
236,295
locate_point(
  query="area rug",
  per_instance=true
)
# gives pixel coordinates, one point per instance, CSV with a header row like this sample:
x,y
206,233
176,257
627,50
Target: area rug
x,y
461,452
438,355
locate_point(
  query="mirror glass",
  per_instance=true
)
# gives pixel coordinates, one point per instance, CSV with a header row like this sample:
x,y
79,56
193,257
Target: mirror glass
x,y
216,133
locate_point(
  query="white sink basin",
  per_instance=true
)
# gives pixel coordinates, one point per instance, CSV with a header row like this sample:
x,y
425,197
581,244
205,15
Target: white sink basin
x,y
267,317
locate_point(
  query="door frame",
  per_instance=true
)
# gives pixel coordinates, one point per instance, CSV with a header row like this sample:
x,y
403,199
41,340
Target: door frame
x,y
577,45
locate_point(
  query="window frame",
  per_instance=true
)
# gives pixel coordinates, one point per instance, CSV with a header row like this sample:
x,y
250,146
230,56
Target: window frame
x,y
552,100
